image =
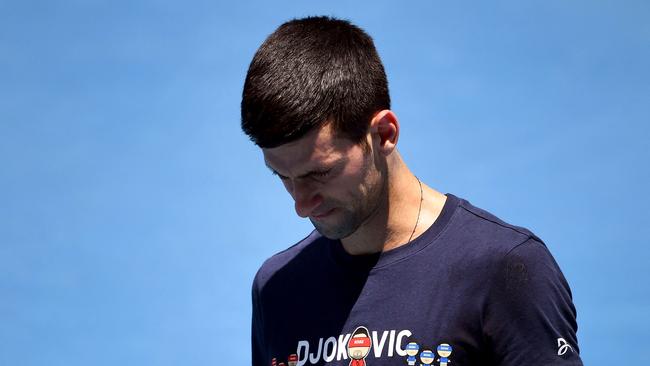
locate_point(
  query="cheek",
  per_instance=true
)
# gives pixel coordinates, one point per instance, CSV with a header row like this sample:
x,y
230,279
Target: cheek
x,y
355,182
287,185
344,189
358,176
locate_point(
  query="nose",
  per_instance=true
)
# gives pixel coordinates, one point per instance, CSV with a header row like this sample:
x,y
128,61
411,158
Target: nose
x,y
306,198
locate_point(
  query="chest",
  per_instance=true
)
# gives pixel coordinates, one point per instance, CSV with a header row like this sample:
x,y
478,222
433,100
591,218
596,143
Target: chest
x,y
398,316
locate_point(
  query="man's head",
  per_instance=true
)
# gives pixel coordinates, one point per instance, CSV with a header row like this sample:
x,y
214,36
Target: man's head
x,y
310,72
316,101
336,183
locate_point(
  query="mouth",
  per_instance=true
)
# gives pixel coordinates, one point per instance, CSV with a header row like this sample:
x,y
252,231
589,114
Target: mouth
x,y
322,215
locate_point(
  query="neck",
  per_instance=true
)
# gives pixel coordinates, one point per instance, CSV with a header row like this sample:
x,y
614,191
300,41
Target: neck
x,y
394,221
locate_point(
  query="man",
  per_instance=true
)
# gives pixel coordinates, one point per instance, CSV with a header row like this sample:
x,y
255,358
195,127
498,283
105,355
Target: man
x,y
392,262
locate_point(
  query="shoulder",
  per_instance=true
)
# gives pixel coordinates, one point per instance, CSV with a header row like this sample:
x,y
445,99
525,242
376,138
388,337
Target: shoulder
x,y
483,231
525,299
307,247
479,242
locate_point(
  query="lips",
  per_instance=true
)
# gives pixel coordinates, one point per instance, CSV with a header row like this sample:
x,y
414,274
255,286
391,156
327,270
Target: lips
x,y
322,215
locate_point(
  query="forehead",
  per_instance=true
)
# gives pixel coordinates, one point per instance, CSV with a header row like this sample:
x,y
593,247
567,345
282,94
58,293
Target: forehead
x,y
317,148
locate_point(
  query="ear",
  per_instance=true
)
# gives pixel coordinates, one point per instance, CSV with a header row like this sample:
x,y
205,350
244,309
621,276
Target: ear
x,y
384,129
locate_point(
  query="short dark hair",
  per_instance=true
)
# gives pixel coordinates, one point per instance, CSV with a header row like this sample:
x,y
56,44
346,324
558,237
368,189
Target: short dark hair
x,y
310,72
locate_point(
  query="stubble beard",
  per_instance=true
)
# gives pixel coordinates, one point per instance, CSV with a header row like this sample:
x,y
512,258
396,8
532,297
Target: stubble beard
x,y
348,221
350,218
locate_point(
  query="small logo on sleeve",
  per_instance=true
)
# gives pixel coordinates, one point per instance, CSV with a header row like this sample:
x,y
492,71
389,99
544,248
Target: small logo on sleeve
x,y
563,346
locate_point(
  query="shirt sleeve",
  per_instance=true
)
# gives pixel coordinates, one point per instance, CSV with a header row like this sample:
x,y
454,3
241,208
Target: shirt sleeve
x,y
529,316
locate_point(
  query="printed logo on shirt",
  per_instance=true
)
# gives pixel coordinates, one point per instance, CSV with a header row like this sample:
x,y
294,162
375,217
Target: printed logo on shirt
x,y
444,351
363,344
357,346
427,356
563,346
291,361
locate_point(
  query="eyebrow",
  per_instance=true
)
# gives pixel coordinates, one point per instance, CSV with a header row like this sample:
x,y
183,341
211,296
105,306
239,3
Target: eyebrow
x,y
336,164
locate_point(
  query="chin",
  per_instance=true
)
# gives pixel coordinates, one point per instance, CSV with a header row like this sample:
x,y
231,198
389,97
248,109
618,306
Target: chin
x,y
330,232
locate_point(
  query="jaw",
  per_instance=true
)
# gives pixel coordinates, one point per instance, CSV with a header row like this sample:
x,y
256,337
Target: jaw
x,y
373,223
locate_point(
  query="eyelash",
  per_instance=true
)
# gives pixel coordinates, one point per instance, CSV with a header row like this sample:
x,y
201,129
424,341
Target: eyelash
x,y
278,175
322,174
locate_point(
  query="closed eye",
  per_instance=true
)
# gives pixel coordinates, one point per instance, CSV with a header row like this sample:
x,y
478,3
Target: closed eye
x,y
322,174
314,174
278,175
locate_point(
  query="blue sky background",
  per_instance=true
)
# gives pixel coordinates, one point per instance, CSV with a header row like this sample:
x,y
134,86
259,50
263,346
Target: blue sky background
x,y
134,213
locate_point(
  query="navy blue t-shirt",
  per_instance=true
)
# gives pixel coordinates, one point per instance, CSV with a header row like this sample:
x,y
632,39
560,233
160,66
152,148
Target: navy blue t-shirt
x,y
471,290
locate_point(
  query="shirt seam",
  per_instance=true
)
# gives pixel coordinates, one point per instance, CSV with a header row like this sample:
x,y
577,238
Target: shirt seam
x,y
502,224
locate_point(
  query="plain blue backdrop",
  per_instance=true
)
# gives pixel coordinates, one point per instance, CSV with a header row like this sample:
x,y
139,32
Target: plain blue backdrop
x,y
134,213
